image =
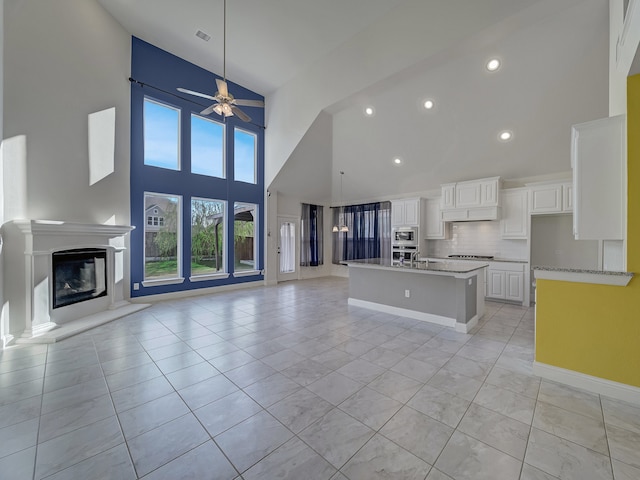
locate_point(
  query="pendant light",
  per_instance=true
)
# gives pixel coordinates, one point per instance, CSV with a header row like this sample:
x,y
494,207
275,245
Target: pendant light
x,y
340,227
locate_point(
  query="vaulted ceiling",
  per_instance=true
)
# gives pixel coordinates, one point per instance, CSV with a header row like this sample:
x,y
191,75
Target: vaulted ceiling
x,y
554,73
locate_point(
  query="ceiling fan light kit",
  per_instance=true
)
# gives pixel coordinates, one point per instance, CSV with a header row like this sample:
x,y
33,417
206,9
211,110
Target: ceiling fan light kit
x,y
226,105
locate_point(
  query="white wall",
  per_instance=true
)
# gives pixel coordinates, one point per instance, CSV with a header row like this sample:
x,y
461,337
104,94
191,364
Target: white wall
x,y
63,61
553,244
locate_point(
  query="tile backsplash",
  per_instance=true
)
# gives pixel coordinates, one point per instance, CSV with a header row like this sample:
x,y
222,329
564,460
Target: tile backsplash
x,y
478,238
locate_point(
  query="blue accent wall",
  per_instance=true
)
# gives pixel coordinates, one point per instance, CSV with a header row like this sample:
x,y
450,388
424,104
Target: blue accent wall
x,y
162,73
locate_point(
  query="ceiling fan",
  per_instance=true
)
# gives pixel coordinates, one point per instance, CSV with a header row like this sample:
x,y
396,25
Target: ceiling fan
x,y
226,104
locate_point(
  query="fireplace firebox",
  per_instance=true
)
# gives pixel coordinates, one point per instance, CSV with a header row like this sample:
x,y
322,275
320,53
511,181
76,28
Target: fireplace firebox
x,y
78,275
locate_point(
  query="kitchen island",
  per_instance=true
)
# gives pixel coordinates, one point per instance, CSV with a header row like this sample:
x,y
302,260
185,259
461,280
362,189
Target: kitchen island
x,y
445,293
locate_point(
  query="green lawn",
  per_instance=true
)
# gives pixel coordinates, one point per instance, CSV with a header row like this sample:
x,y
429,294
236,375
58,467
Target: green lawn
x,y
165,268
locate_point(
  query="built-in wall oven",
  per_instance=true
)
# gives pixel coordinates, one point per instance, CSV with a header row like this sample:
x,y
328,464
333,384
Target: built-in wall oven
x,y
404,236
402,253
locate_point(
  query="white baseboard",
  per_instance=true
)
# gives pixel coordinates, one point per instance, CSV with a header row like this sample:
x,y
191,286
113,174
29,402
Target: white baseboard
x,y
601,386
467,327
403,312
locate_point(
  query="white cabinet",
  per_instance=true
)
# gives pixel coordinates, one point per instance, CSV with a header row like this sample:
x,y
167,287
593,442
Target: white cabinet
x,y
405,212
448,196
551,198
471,200
598,158
435,227
505,281
514,221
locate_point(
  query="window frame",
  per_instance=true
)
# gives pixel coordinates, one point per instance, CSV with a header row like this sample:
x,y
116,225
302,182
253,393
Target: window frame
x,y
163,73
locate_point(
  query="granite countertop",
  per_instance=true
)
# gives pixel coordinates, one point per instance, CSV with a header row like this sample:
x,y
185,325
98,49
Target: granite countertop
x,y
420,267
580,270
602,277
495,259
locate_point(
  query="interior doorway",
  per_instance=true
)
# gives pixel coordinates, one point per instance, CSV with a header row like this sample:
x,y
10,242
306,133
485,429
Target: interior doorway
x,y
288,248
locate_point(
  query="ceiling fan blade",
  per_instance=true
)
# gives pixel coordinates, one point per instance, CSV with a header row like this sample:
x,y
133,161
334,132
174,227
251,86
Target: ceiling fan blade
x,y
197,94
248,103
208,110
241,115
222,87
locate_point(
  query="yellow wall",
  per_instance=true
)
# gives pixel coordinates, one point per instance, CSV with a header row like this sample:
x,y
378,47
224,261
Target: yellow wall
x,y
595,329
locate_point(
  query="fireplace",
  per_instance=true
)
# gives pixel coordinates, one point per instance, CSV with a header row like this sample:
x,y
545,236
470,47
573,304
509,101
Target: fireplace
x,y
79,274
65,279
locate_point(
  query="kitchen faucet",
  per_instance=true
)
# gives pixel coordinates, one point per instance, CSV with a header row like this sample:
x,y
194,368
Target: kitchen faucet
x,y
414,257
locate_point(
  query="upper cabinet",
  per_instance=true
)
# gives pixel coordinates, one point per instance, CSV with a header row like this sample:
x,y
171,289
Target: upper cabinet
x,y
551,198
514,221
471,200
405,212
598,156
435,227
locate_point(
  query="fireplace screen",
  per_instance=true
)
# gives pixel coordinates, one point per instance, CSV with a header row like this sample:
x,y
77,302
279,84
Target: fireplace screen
x,y
79,275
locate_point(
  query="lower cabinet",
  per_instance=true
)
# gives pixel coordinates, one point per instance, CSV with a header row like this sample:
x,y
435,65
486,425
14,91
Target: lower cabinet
x,y
505,281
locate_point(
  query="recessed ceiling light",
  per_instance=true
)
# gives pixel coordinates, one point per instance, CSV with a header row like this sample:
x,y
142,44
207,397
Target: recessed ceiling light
x,y
428,104
505,135
369,111
493,64
397,161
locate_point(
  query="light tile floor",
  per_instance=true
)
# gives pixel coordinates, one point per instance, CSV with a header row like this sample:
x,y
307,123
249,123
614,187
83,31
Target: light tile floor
x,y
289,382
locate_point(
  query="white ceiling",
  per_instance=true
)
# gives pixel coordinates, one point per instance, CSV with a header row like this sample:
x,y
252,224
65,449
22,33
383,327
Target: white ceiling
x,y
554,74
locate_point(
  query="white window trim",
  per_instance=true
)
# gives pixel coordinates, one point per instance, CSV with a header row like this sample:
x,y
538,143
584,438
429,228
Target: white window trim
x,y
246,273
208,276
163,281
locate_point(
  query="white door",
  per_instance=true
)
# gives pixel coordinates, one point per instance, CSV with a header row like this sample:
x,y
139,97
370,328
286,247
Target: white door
x,y
287,249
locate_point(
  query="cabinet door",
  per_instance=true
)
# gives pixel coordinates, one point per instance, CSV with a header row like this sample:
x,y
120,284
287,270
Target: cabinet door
x,y
496,284
567,197
412,212
515,219
546,199
397,213
514,286
448,196
434,226
598,158
489,193
468,194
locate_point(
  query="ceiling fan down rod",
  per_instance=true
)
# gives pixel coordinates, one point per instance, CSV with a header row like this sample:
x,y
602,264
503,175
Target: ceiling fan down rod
x,y
224,41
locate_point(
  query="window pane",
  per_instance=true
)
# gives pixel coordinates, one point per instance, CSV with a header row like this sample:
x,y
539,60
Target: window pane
x,y
207,236
244,224
161,243
207,147
161,135
244,156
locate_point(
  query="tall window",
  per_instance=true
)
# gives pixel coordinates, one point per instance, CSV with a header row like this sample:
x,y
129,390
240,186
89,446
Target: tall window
x,y
197,182
207,236
368,235
207,147
161,135
244,146
162,238
311,233
244,224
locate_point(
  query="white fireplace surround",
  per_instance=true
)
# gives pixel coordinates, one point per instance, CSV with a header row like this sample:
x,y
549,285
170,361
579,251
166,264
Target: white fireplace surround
x,y
28,315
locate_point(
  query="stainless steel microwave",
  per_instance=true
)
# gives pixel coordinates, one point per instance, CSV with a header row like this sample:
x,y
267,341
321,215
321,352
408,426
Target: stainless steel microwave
x,y
404,236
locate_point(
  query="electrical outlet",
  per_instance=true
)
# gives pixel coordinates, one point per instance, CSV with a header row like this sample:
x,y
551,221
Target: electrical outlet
x,y
407,293
136,286
470,281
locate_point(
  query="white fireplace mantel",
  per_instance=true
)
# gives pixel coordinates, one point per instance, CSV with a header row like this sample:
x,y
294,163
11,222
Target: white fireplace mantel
x,y
28,315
